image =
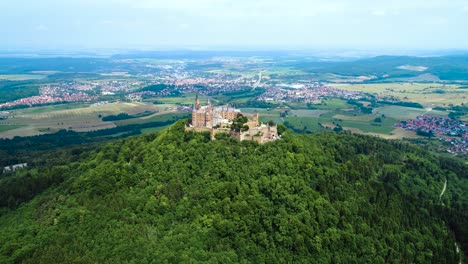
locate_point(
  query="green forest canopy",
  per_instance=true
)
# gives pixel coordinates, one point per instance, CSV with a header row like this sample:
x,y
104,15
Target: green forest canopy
x,y
179,197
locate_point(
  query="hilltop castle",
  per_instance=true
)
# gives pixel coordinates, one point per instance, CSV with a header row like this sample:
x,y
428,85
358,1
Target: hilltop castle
x,y
219,119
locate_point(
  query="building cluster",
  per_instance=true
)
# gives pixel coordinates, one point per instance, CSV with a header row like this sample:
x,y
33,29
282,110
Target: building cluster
x,y
13,168
138,96
50,95
454,132
4,114
209,86
113,87
46,99
73,91
219,119
308,94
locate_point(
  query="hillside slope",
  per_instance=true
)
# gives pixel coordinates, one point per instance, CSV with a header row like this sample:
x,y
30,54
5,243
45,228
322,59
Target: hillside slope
x,y
179,197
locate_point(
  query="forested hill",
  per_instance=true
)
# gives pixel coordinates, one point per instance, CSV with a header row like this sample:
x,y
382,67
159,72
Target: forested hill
x,y
180,198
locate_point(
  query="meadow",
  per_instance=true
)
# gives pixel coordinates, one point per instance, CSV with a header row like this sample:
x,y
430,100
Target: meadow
x,y
77,117
426,94
4,128
22,77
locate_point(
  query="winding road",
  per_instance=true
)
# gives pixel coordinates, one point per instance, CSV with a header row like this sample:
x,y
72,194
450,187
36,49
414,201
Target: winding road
x,y
257,83
443,191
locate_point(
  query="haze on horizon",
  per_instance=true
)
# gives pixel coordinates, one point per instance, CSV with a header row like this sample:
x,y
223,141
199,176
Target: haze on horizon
x,y
217,24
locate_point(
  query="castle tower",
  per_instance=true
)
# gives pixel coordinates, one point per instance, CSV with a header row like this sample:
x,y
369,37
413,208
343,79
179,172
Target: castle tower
x,y
197,103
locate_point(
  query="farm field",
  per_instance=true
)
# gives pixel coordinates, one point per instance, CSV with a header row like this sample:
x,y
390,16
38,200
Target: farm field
x,y
426,94
384,127
34,122
21,77
4,128
361,124
50,108
187,99
162,116
305,124
308,113
265,115
403,113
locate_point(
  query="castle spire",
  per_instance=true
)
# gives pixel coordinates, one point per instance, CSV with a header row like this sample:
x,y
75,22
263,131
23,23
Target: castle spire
x,y
197,102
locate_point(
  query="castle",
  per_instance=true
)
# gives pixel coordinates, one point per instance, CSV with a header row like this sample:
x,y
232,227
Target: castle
x,y
219,119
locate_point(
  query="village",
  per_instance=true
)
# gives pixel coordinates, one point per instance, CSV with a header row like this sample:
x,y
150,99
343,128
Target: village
x,y
308,94
448,130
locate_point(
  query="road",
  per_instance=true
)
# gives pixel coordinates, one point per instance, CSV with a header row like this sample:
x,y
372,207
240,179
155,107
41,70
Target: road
x,y
256,84
443,191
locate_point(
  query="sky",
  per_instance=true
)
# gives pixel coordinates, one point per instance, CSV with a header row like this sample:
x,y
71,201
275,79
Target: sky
x,y
233,24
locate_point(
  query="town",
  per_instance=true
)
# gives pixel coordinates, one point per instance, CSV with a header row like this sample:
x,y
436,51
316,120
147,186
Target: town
x,y
448,130
308,93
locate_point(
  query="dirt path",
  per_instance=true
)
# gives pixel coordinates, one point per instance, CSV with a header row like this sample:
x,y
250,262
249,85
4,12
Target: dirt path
x,y
443,191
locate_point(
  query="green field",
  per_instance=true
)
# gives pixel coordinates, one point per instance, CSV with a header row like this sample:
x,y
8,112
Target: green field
x,y
305,124
308,113
384,127
403,113
333,104
51,108
426,94
186,99
21,77
153,129
4,128
308,121
158,117
77,117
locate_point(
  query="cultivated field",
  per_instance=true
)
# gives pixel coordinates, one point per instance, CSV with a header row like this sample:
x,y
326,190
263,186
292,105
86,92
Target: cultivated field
x,y
22,77
403,113
51,119
427,94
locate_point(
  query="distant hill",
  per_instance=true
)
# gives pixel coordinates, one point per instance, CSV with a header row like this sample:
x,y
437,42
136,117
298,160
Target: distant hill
x,y
178,197
446,68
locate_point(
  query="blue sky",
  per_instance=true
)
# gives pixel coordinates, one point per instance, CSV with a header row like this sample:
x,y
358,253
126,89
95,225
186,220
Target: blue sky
x,y
233,24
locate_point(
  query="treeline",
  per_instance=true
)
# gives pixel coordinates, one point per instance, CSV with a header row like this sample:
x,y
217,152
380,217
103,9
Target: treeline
x,y
22,149
405,104
11,91
124,116
458,111
179,197
256,104
157,88
364,109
